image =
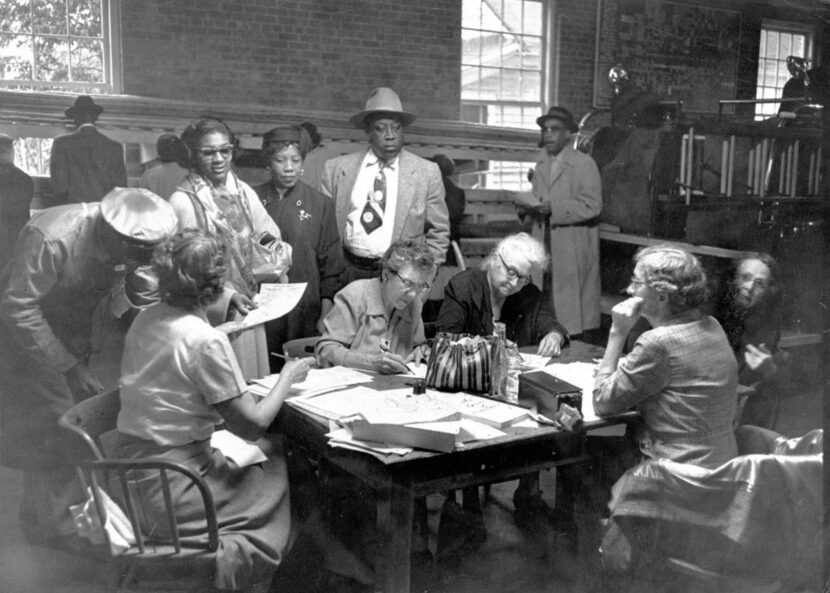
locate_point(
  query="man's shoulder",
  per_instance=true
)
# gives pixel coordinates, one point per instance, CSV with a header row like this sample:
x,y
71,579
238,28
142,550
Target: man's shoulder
x,y
59,222
412,160
346,160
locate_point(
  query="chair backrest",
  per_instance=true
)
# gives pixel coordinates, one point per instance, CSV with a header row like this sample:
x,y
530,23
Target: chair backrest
x,y
459,257
300,348
91,418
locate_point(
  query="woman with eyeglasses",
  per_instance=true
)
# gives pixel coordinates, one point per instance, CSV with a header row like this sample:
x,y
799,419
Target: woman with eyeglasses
x,y
375,324
502,291
680,375
214,199
750,312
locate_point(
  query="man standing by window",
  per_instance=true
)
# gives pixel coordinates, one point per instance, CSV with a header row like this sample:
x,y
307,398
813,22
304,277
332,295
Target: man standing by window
x,y
567,184
85,165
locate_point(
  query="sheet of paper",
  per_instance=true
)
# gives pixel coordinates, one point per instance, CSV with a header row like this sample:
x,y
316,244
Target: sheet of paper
x,y
317,381
342,437
419,371
242,452
274,301
477,431
534,361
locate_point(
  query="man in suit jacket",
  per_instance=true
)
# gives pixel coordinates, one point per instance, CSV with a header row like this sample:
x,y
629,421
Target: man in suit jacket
x,y
385,194
16,190
85,165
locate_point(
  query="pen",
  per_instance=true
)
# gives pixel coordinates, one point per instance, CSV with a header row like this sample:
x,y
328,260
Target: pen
x,y
384,347
283,356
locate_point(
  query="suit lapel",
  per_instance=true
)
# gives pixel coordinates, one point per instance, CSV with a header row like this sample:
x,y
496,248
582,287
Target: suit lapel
x,y
345,180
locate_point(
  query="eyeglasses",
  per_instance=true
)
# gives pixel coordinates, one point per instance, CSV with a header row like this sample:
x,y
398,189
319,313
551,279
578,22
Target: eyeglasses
x,y
209,153
634,281
409,285
513,273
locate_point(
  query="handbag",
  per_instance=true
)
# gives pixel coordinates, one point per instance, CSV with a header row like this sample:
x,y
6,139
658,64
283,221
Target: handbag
x,y
270,257
460,362
88,524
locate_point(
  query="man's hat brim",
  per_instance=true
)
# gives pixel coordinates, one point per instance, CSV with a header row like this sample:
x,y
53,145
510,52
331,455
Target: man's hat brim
x,y
358,120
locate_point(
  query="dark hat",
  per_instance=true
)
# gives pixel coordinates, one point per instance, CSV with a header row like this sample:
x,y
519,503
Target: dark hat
x,y
382,100
560,114
84,104
138,214
281,134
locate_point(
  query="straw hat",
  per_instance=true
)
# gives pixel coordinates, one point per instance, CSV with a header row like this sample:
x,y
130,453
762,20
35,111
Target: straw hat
x,y
382,100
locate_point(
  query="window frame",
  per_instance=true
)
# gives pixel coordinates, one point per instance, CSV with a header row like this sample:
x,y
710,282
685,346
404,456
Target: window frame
x,y
111,35
765,110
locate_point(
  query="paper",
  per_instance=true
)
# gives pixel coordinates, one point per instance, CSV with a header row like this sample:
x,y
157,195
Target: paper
x,y
273,301
242,452
317,381
419,371
534,361
477,431
343,437
489,411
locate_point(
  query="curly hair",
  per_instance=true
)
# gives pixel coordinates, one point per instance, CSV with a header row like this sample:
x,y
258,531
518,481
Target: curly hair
x,y
197,130
405,253
190,267
675,272
520,243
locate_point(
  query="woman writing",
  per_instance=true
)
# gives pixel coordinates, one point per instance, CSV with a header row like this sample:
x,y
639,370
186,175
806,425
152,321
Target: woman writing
x,y
306,218
179,379
681,375
375,324
214,199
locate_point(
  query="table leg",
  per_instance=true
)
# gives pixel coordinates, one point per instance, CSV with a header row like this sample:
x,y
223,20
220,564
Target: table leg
x,y
394,528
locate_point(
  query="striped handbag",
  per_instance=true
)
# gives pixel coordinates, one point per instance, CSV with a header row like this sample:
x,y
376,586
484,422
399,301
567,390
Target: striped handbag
x,y
460,362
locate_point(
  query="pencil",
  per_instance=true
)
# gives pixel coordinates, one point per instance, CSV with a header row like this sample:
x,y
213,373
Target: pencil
x,y
283,356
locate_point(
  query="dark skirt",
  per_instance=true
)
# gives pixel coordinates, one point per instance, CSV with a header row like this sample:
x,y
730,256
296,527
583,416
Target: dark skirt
x,y
252,508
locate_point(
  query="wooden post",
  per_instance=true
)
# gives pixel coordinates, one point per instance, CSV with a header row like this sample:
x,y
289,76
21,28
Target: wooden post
x,y
724,166
794,186
731,176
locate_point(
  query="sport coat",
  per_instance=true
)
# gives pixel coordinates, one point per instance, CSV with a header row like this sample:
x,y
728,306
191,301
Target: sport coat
x,y
420,213
85,166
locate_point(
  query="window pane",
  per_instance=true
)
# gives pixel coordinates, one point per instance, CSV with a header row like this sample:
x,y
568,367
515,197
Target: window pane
x,y
471,14
771,50
471,47
87,61
51,59
491,20
532,53
490,84
50,16
531,85
15,57
511,54
15,17
785,45
769,73
471,82
799,43
532,18
85,18
783,75
511,85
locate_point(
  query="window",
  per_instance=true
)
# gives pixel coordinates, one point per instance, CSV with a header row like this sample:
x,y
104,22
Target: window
x,y
502,74
778,41
63,45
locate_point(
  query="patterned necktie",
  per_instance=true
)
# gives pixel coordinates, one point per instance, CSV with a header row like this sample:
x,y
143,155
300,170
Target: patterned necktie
x,y
372,216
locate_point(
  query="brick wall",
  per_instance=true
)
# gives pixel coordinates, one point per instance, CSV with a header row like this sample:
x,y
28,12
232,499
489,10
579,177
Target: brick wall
x,y
315,54
576,40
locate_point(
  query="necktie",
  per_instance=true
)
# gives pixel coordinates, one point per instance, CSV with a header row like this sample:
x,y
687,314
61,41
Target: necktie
x,y
372,216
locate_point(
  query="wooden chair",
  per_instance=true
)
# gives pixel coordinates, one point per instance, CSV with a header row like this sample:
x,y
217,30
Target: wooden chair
x,y
300,348
174,564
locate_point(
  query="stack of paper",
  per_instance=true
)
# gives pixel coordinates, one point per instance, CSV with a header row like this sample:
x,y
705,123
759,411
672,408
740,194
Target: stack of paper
x,y
485,410
242,452
533,361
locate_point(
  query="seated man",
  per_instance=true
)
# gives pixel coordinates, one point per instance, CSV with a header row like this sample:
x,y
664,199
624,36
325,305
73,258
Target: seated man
x,y
681,375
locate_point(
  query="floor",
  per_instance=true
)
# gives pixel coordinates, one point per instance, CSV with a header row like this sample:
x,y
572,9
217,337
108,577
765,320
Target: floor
x,y
509,561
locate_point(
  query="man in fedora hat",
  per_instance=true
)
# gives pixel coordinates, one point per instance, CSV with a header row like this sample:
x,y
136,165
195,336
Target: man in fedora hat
x,y
85,164
384,193
66,261
566,184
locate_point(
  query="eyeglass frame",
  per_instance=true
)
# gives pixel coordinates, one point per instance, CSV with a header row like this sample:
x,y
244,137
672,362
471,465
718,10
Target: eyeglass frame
x,y
209,153
513,273
409,285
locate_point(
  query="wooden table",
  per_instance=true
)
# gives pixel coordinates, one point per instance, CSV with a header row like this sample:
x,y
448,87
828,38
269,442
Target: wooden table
x,y
398,480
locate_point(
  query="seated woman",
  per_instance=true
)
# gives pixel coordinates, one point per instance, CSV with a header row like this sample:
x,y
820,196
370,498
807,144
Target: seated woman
x,y
375,324
179,379
751,315
502,291
681,375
